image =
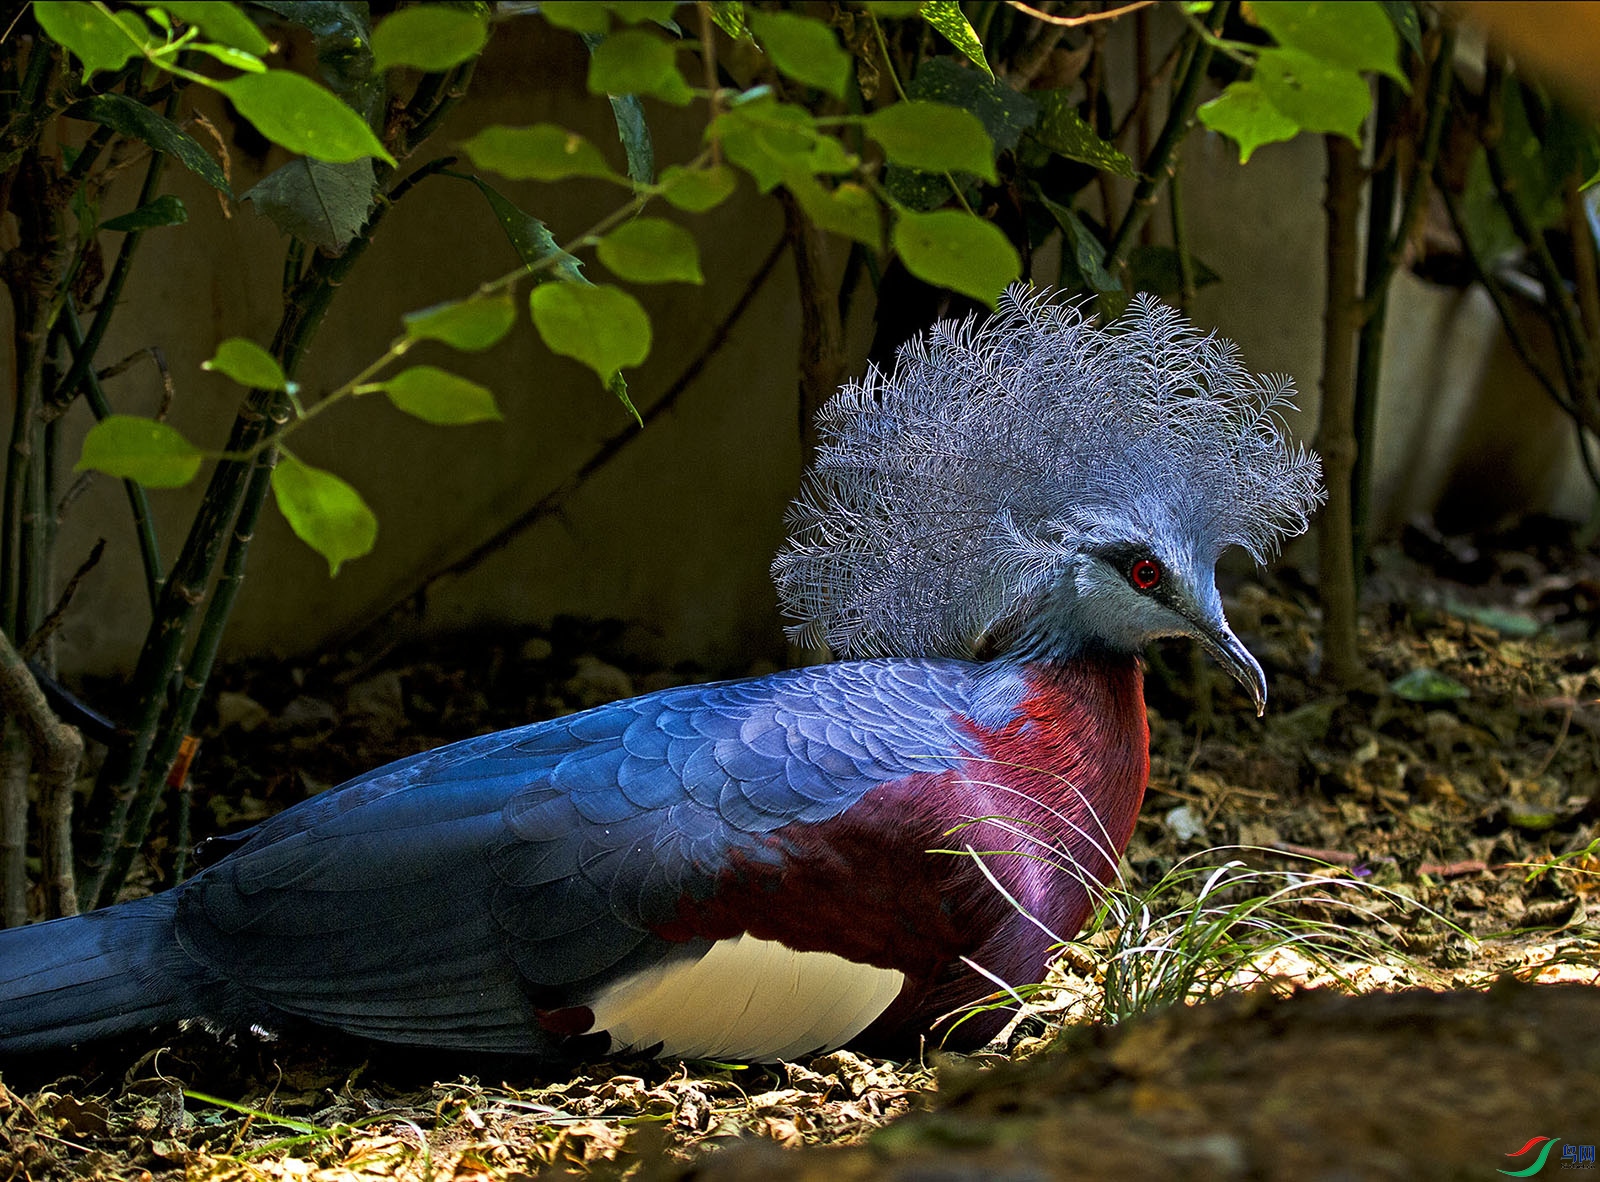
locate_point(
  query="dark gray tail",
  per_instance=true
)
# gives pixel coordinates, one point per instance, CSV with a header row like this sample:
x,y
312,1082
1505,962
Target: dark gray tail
x,y
71,980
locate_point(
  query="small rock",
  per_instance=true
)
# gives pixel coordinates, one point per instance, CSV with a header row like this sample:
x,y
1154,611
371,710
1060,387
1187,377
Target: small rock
x,y
378,703
307,713
240,710
535,649
1185,823
594,682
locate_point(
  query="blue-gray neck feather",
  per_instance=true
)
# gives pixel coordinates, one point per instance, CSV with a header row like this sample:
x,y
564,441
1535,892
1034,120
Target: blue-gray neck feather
x,y
952,499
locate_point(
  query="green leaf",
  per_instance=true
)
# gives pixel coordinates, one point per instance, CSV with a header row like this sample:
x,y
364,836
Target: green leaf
x,y
947,17
166,210
219,22
804,49
771,141
636,62
100,40
1083,252
1243,113
248,364
1403,15
463,324
324,511
1064,132
428,37
1428,685
543,152
892,9
934,136
229,56
144,450
1004,113
635,12
121,114
846,209
651,250
578,16
439,397
632,129
295,113
1316,95
1354,34
531,239
1154,268
321,203
948,248
698,189
728,15
604,327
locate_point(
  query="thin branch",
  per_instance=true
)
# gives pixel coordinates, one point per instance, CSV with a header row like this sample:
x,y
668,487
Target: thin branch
x,y
552,501
1158,167
53,621
1073,22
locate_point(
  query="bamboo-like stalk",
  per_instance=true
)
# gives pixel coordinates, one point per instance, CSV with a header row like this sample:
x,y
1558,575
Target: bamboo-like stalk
x,y
1382,193
29,723
138,500
1158,167
1336,441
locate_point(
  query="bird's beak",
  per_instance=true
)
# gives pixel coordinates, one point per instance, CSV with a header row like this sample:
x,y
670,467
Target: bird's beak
x,y
1219,640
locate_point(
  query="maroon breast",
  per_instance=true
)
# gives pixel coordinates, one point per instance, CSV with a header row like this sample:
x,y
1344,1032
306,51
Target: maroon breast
x,y
1047,805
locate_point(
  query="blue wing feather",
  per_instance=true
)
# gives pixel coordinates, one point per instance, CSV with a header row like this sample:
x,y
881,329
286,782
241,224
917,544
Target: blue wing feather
x,y
459,890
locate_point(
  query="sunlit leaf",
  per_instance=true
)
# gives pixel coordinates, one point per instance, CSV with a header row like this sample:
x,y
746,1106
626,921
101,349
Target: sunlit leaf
x,y
1316,95
293,111
248,364
698,189
846,209
464,324
602,326
651,250
99,39
636,62
947,17
1355,34
949,248
729,16
933,136
578,16
543,152
439,396
325,512
428,37
144,450
804,49
1243,113
219,22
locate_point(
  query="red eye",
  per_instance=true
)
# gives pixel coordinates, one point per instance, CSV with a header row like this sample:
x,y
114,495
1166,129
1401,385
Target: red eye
x,y
1145,574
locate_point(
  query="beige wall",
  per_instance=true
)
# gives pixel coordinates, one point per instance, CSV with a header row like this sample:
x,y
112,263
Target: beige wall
x,y
675,535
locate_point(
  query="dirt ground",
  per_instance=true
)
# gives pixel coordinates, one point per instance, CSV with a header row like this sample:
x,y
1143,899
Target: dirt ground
x,y
1428,840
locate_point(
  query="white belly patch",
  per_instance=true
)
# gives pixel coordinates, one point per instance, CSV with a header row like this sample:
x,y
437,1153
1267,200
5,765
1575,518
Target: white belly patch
x,y
746,999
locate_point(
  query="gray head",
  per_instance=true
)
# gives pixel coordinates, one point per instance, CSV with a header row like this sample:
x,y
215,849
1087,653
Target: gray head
x,y
1037,486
